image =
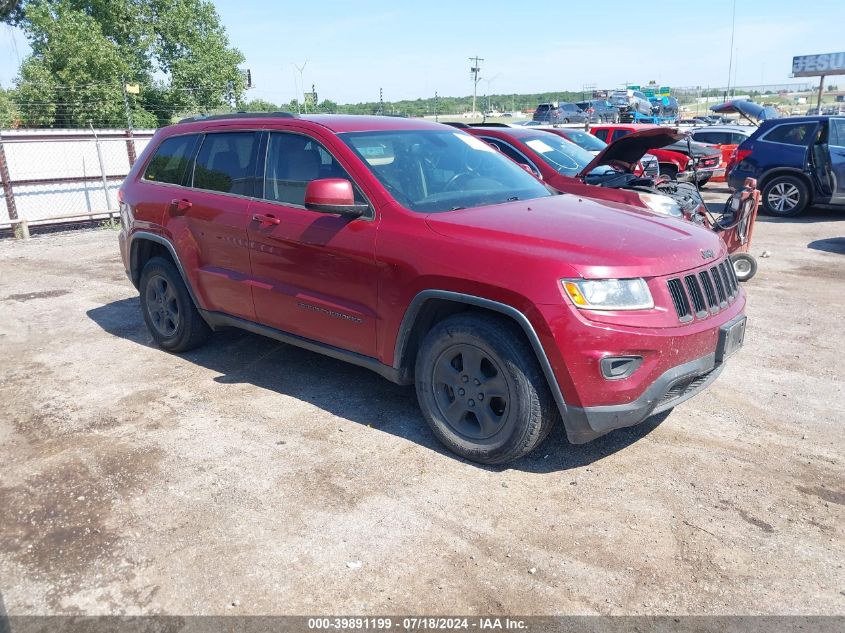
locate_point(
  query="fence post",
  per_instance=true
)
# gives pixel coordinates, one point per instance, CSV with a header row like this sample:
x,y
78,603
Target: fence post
x,y
6,180
130,148
102,168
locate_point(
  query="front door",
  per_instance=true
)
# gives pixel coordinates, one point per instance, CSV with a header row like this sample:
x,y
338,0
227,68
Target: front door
x,y
314,274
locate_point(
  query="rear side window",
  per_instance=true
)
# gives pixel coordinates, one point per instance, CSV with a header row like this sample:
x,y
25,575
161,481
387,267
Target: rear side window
x,y
602,134
226,163
791,134
715,138
170,161
620,133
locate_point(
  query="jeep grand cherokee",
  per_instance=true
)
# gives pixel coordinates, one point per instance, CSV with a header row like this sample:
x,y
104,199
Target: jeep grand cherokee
x,y
420,252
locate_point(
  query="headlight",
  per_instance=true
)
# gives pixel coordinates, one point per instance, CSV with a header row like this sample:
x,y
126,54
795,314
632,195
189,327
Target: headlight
x,y
664,205
609,294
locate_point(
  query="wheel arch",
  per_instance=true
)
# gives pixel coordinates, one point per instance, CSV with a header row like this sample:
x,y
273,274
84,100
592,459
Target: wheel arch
x,y
143,246
429,307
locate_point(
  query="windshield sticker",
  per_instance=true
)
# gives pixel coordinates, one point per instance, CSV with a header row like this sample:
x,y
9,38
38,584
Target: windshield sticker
x,y
539,146
475,143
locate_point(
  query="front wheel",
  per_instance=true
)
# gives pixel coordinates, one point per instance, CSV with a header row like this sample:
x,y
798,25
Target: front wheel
x,y
670,171
481,389
745,266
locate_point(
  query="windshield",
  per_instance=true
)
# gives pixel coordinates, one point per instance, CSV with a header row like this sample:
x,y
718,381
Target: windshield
x,y
586,141
432,171
564,157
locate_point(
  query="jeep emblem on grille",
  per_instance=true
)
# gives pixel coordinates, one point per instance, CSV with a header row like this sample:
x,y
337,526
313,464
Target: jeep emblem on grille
x,y
707,254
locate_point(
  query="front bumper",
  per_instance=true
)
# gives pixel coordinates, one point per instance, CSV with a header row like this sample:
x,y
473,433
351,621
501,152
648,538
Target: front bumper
x,y
703,173
672,388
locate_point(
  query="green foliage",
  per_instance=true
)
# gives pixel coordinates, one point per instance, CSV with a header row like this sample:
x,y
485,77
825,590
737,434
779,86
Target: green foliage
x,y
259,105
8,110
84,50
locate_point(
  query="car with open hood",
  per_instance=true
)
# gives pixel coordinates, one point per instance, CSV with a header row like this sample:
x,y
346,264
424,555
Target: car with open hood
x,y
609,175
688,162
419,252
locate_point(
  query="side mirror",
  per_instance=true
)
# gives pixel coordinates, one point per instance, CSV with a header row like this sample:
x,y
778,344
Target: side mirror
x,y
333,195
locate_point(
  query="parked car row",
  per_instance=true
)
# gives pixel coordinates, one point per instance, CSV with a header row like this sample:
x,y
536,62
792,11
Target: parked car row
x,y
424,254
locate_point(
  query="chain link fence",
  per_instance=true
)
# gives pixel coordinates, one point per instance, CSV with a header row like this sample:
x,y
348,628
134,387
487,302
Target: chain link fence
x,y
50,176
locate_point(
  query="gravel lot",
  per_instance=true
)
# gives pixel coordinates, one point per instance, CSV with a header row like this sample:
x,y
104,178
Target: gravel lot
x,y
252,477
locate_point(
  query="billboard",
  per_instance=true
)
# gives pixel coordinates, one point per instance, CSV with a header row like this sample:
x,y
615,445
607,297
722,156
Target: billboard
x,y
817,65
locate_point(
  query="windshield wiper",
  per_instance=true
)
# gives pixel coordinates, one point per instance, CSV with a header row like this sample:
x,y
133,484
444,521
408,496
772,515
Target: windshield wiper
x,y
456,208
513,199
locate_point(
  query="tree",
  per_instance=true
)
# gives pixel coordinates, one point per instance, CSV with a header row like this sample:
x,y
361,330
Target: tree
x,y
9,116
259,105
84,50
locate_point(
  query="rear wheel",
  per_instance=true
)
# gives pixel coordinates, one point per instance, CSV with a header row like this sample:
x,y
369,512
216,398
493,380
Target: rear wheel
x,y
703,181
745,266
481,389
785,196
169,311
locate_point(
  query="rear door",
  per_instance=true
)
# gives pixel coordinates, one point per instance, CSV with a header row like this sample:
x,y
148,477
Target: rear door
x,y
314,274
216,212
837,158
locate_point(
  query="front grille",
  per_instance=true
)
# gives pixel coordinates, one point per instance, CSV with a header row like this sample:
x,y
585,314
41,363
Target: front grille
x,y
679,298
704,292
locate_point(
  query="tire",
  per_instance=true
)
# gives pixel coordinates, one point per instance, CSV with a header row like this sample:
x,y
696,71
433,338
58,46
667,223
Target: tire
x,y
565,121
669,170
169,312
480,351
745,266
704,181
785,196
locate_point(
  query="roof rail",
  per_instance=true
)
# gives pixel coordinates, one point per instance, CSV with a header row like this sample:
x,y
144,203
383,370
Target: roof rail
x,y
239,115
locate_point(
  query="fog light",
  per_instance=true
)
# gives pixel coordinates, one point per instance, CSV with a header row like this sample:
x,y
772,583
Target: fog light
x,y
619,367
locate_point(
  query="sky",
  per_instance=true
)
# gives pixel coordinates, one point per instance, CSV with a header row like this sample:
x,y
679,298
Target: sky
x,y
410,50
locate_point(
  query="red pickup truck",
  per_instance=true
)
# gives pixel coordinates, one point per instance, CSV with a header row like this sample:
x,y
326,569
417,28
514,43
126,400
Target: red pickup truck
x,y
418,251
701,162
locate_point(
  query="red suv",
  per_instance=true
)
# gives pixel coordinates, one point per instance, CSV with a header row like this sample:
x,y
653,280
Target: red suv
x,y
418,251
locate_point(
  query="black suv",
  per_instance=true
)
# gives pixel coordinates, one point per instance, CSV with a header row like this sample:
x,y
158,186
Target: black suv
x,y
559,113
797,161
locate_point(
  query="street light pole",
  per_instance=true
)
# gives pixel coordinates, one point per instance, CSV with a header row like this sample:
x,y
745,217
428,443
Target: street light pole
x,y
302,84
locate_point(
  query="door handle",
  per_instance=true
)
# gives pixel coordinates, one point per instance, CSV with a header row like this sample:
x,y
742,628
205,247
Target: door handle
x,y
266,218
179,206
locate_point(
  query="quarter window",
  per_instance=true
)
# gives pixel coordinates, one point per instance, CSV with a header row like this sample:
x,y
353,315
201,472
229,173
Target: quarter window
x,y
170,161
602,134
294,160
226,163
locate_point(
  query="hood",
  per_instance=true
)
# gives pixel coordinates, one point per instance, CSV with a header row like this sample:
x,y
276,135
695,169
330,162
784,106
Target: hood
x,y
748,109
631,148
591,237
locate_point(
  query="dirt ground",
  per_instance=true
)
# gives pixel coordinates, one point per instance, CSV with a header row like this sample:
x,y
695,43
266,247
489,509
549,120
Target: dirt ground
x,y
252,477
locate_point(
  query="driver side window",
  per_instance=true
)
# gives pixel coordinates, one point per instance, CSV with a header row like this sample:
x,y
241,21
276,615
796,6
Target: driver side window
x,y
294,160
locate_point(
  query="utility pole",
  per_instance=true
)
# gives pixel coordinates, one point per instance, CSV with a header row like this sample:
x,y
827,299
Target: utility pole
x,y
475,71
731,58
435,105
380,101
130,141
